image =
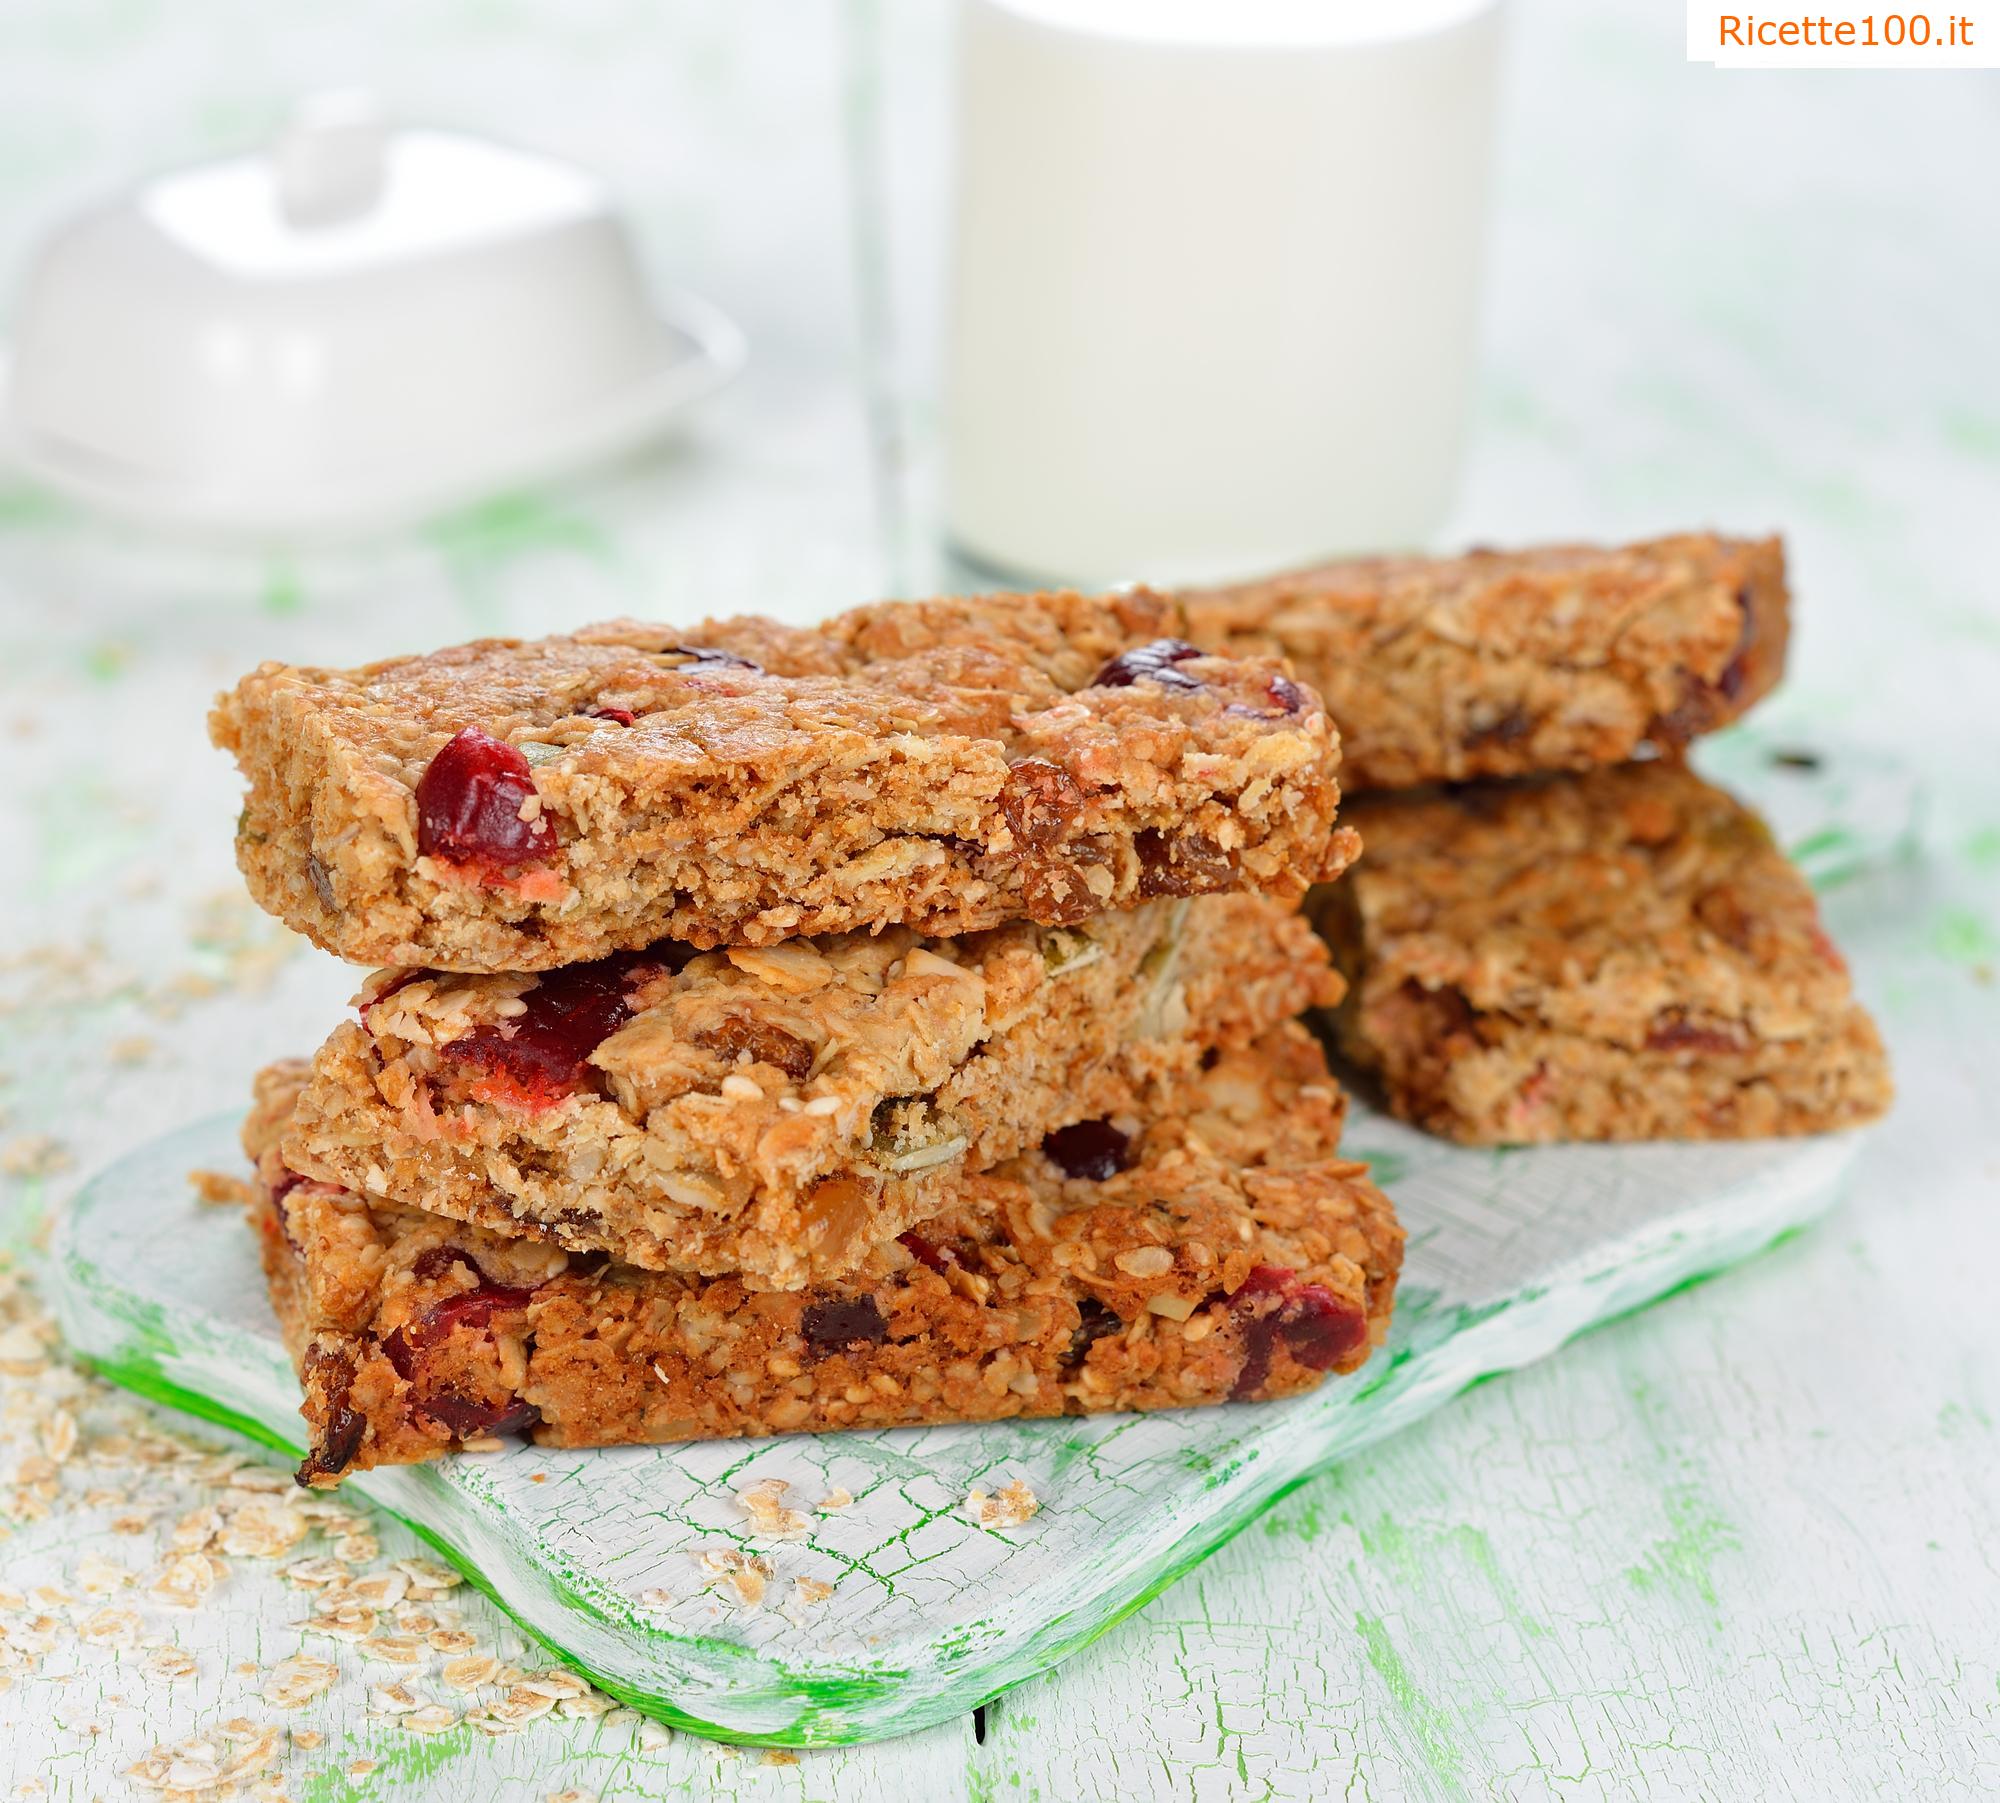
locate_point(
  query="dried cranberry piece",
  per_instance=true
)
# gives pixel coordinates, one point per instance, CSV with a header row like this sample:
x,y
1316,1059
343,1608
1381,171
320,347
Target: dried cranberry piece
x,y
396,1348
542,1055
1094,1322
434,1261
1317,1325
845,1321
1095,1150
408,1346
1150,663
1040,803
469,805
381,995
475,1307
469,1308
925,1253
623,715
1321,1329
463,1416
1285,697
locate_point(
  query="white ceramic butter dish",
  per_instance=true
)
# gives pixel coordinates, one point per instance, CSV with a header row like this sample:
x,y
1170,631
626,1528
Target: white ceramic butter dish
x,y
355,327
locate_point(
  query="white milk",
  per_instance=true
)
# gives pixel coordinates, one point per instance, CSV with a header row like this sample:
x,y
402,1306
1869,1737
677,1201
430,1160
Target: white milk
x,y
1214,279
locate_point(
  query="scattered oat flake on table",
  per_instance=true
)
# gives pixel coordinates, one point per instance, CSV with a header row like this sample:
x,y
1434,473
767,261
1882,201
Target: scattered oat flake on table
x,y
1015,1504
209,1763
186,1579
379,1589
834,1501
811,1590
311,1573
294,1682
433,1718
764,1503
263,1529
23,1351
59,1435
471,1671
34,1155
747,1573
100,1576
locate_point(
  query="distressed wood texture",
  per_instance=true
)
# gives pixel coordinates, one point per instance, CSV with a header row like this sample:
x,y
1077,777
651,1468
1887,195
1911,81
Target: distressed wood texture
x,y
1740,1545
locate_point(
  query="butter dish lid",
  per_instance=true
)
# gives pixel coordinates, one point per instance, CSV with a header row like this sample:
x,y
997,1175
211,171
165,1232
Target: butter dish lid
x,y
353,327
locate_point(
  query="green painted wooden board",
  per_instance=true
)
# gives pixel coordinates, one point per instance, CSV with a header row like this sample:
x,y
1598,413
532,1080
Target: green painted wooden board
x,y
599,1554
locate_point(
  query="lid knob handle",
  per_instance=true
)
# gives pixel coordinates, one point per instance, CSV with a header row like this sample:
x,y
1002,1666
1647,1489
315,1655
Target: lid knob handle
x,y
329,161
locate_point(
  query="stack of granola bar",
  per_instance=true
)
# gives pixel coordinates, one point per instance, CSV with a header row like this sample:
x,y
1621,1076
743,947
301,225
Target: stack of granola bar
x,y
892,1022
1558,931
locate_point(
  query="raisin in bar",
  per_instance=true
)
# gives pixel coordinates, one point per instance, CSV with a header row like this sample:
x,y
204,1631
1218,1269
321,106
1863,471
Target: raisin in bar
x,y
512,806
776,1111
1618,956
1506,663
1218,1249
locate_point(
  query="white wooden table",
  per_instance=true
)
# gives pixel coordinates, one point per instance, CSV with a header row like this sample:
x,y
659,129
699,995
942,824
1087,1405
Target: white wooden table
x,y
1740,1545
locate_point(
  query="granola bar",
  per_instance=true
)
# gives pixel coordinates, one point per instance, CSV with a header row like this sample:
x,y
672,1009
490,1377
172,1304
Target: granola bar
x,y
779,1110
1506,663
1618,956
949,765
1217,1249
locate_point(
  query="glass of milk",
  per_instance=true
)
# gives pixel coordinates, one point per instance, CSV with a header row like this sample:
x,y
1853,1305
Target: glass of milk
x,y
1214,279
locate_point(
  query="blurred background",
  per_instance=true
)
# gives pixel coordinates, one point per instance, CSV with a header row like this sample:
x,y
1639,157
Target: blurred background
x,y
1749,300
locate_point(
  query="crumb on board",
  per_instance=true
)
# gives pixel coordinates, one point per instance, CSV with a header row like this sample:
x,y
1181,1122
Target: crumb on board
x,y
764,1503
1014,1504
219,1188
747,1574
